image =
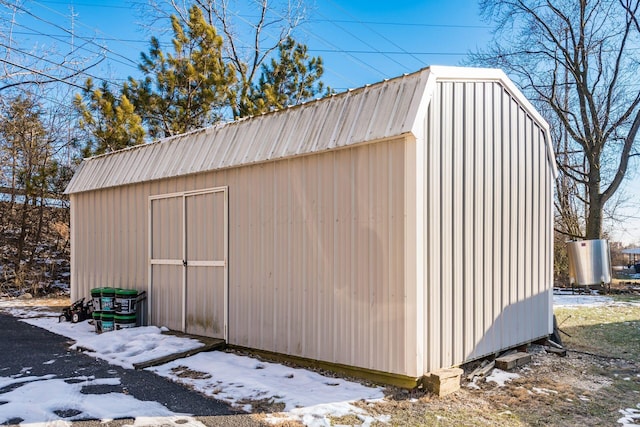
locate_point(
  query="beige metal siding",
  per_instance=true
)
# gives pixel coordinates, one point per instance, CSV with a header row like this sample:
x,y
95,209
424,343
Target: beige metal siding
x,y
316,262
316,259
487,223
109,241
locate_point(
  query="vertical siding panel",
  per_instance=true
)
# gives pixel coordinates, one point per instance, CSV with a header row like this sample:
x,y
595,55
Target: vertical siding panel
x,y
469,262
446,217
432,227
280,249
538,308
491,242
505,224
402,345
353,256
257,236
245,261
136,239
458,270
298,282
343,338
361,248
480,224
325,254
265,280
101,236
396,282
528,240
521,282
309,318
382,226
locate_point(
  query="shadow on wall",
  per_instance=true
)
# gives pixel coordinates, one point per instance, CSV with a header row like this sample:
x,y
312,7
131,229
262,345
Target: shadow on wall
x,y
518,323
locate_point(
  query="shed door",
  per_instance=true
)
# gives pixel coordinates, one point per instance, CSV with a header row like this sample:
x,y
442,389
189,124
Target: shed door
x,y
188,262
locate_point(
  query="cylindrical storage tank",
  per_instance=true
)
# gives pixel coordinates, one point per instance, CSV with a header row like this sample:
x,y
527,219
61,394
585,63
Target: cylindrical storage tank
x,y
108,299
589,262
126,301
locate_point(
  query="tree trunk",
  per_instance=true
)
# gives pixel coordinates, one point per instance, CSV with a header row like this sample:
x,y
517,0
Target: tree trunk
x,y
21,241
593,228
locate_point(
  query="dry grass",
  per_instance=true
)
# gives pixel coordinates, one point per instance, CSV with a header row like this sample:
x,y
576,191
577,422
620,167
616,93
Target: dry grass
x,y
589,387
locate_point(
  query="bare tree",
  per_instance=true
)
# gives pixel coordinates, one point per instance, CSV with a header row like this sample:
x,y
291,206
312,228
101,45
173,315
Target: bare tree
x,y
578,61
252,32
25,66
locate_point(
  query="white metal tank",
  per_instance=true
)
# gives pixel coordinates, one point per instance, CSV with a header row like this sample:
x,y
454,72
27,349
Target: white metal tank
x,y
589,262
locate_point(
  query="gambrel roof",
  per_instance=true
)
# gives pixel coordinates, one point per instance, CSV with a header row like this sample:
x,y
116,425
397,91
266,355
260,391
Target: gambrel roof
x,y
375,112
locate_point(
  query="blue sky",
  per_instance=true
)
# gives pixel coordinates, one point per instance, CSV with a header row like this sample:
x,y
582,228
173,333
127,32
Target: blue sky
x,y
361,42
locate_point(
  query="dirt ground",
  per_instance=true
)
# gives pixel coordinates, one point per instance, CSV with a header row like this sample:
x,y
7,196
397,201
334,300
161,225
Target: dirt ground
x,y
576,390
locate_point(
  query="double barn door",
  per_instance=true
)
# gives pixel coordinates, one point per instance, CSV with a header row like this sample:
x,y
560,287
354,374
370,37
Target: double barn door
x,y
188,289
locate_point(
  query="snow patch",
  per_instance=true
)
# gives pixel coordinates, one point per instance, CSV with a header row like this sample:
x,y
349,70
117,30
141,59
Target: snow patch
x,y
50,401
630,416
124,347
544,391
307,396
500,377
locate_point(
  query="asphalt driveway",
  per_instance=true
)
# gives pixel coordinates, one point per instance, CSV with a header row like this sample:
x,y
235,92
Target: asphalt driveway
x,y
29,350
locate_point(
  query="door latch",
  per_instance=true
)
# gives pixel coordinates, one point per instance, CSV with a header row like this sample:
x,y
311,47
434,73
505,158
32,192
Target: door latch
x,y
184,262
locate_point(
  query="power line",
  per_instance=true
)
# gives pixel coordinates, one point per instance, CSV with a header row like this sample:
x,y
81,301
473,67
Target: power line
x,y
403,24
351,57
62,39
388,52
40,73
367,44
376,32
63,65
53,24
343,21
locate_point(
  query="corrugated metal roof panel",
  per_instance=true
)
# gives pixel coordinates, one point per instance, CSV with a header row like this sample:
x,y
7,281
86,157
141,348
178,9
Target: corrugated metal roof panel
x,y
384,110
340,120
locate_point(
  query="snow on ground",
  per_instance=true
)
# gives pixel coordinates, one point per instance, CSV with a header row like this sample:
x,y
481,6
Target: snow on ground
x,y
305,396
630,416
124,347
52,402
580,300
500,377
239,380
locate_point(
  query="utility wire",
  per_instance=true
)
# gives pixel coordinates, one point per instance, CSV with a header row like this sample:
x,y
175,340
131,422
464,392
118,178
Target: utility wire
x,y
368,44
367,26
57,64
62,40
351,57
40,73
28,12
337,50
344,21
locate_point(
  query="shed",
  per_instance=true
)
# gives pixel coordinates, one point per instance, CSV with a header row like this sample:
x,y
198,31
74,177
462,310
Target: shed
x,y
398,228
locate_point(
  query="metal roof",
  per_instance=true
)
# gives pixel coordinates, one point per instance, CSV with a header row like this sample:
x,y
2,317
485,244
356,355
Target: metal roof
x,y
387,109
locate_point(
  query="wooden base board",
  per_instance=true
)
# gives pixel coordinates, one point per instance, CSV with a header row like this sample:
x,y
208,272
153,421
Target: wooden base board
x,y
512,360
376,377
443,381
